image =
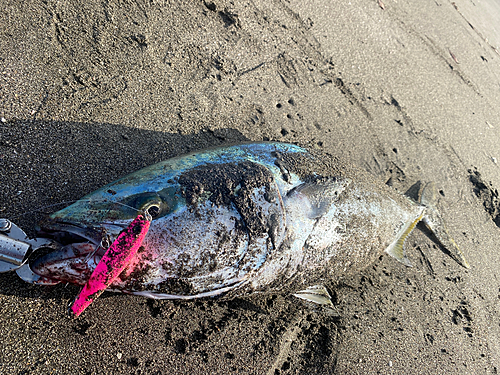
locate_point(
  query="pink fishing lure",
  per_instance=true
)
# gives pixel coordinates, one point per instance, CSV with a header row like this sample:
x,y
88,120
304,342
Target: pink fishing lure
x,y
113,262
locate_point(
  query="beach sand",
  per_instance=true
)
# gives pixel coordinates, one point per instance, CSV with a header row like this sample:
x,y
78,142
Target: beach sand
x,y
408,91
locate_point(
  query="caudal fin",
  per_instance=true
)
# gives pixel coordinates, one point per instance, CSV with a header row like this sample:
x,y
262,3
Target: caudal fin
x,y
396,249
433,220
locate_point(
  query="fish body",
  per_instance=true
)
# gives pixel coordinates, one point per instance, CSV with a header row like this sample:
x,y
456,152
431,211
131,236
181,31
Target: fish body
x,y
232,220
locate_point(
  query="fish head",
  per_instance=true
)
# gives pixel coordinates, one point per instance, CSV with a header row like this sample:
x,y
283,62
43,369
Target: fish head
x,y
214,225
84,230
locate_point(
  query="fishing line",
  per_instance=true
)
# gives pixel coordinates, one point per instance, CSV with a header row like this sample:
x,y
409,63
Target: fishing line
x,y
39,210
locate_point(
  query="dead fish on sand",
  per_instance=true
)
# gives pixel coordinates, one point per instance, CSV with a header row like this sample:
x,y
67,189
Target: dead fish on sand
x,y
233,220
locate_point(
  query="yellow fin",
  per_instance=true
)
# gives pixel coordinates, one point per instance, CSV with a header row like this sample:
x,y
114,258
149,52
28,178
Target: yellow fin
x,y
396,249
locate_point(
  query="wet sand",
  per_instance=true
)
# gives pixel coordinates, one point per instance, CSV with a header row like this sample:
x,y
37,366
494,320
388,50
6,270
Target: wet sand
x,y
407,91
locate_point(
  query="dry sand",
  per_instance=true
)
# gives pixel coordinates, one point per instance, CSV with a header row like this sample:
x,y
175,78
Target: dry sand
x,y
407,90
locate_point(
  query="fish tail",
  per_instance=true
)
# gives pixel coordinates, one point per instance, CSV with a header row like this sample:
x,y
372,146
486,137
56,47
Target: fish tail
x,y
396,249
434,222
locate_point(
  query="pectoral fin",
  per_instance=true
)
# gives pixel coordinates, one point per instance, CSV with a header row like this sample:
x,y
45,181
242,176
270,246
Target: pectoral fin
x,y
315,294
322,193
433,220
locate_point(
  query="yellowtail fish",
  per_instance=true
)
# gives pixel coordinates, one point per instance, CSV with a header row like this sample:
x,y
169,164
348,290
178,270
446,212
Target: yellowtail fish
x,y
253,217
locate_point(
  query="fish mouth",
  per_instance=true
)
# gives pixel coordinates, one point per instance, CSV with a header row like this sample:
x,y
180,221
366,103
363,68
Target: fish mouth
x,y
79,249
66,232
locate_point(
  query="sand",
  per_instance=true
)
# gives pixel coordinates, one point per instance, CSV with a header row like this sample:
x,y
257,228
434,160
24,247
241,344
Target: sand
x,y
406,90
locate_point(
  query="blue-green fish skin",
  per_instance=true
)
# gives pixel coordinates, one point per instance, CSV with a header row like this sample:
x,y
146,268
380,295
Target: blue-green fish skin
x,y
235,219
160,176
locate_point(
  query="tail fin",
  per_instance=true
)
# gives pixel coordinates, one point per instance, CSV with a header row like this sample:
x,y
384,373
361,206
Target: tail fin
x,y
396,249
435,223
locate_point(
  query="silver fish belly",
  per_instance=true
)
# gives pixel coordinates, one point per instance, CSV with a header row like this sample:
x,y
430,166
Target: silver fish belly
x,y
238,219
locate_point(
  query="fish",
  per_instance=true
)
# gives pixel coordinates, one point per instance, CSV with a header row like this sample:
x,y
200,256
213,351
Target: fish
x,y
236,220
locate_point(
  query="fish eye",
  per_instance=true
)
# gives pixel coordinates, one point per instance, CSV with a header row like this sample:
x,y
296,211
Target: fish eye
x,y
153,210
153,204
